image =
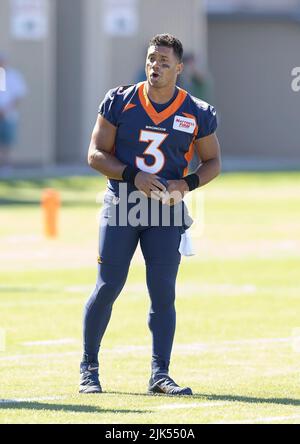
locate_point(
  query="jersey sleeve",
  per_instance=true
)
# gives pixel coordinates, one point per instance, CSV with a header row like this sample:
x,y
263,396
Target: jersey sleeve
x,y
109,107
207,120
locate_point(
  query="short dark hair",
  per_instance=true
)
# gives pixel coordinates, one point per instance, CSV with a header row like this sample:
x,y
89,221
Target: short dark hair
x,y
170,41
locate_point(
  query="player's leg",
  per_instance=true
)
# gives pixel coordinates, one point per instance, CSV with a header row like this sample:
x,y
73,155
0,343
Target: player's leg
x,y
117,246
160,248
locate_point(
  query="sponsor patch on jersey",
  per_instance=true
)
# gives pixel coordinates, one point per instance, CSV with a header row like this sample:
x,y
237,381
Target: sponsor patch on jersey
x,y
184,124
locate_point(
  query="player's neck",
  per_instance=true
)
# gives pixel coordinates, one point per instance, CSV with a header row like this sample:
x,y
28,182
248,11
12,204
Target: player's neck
x,y
160,95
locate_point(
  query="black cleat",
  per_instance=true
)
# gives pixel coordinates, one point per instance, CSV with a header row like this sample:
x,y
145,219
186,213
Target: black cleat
x,y
164,384
89,378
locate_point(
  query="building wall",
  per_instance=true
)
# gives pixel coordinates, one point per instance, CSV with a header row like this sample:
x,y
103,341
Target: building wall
x,y
36,60
69,81
251,63
69,70
110,61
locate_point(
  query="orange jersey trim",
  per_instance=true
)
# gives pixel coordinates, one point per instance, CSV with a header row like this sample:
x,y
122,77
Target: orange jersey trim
x,y
129,106
190,154
190,116
188,157
156,117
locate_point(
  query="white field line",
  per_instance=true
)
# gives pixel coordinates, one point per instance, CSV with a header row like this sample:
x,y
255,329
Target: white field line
x,y
137,287
168,407
40,303
203,347
19,358
184,291
194,405
49,343
187,349
182,348
262,420
130,287
27,288
25,400
257,341
161,407
282,372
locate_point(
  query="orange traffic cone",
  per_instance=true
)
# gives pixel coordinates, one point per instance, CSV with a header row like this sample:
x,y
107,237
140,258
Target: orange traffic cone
x,y
50,205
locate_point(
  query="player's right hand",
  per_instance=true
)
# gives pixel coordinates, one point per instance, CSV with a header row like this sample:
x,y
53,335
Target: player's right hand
x,y
149,184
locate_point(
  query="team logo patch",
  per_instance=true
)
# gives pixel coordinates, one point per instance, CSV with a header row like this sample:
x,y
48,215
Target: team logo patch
x,y
100,260
184,124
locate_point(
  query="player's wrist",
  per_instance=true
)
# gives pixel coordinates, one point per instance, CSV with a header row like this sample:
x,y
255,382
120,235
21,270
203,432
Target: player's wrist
x,y
130,173
193,181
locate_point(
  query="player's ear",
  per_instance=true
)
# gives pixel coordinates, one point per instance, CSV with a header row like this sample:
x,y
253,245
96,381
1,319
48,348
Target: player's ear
x,y
179,68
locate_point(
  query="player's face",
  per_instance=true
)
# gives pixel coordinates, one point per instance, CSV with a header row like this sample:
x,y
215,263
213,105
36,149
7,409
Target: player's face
x,y
162,66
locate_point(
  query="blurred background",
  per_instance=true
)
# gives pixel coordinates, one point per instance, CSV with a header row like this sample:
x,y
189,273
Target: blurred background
x,y
239,56
238,298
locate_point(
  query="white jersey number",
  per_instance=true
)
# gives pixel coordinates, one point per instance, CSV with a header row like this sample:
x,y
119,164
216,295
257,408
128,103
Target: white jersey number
x,y
153,149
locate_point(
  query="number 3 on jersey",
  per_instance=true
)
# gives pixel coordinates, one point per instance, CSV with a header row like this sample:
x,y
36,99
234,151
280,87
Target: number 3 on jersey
x,y
153,149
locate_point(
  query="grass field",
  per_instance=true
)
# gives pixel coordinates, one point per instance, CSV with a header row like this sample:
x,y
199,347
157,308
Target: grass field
x,y
238,305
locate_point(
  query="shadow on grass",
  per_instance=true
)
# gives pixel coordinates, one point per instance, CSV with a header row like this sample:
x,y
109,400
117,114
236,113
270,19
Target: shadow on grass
x,y
227,398
13,405
249,399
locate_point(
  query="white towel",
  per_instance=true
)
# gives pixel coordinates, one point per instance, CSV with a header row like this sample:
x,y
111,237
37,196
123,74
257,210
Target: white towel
x,y
186,245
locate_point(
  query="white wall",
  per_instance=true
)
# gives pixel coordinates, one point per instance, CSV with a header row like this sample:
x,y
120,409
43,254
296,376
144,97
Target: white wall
x,y
36,60
251,62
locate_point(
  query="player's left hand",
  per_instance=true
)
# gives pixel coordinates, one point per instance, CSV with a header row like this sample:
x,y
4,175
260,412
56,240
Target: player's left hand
x,y
175,193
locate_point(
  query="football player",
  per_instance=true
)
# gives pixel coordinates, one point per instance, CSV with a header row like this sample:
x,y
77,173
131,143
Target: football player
x,y
144,139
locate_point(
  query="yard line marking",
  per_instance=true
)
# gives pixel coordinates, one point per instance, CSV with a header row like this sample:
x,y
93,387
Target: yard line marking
x,y
282,372
131,290
261,419
79,289
187,289
234,345
161,407
25,400
192,405
38,356
257,341
135,287
41,303
49,342
129,349
211,347
197,346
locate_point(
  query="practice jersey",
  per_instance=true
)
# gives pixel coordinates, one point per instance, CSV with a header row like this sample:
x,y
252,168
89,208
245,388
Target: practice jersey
x,y
160,143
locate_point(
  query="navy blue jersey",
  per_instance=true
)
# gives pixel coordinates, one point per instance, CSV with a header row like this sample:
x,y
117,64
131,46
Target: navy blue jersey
x,y
160,143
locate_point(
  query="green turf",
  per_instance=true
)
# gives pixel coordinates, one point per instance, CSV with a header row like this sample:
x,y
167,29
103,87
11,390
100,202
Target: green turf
x,y
238,310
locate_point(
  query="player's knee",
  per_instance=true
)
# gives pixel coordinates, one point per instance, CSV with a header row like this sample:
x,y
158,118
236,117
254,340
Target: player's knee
x,y
162,301
105,294
162,293
163,306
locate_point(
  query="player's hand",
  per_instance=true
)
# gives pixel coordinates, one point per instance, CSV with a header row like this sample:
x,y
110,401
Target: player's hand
x,y
177,189
149,184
